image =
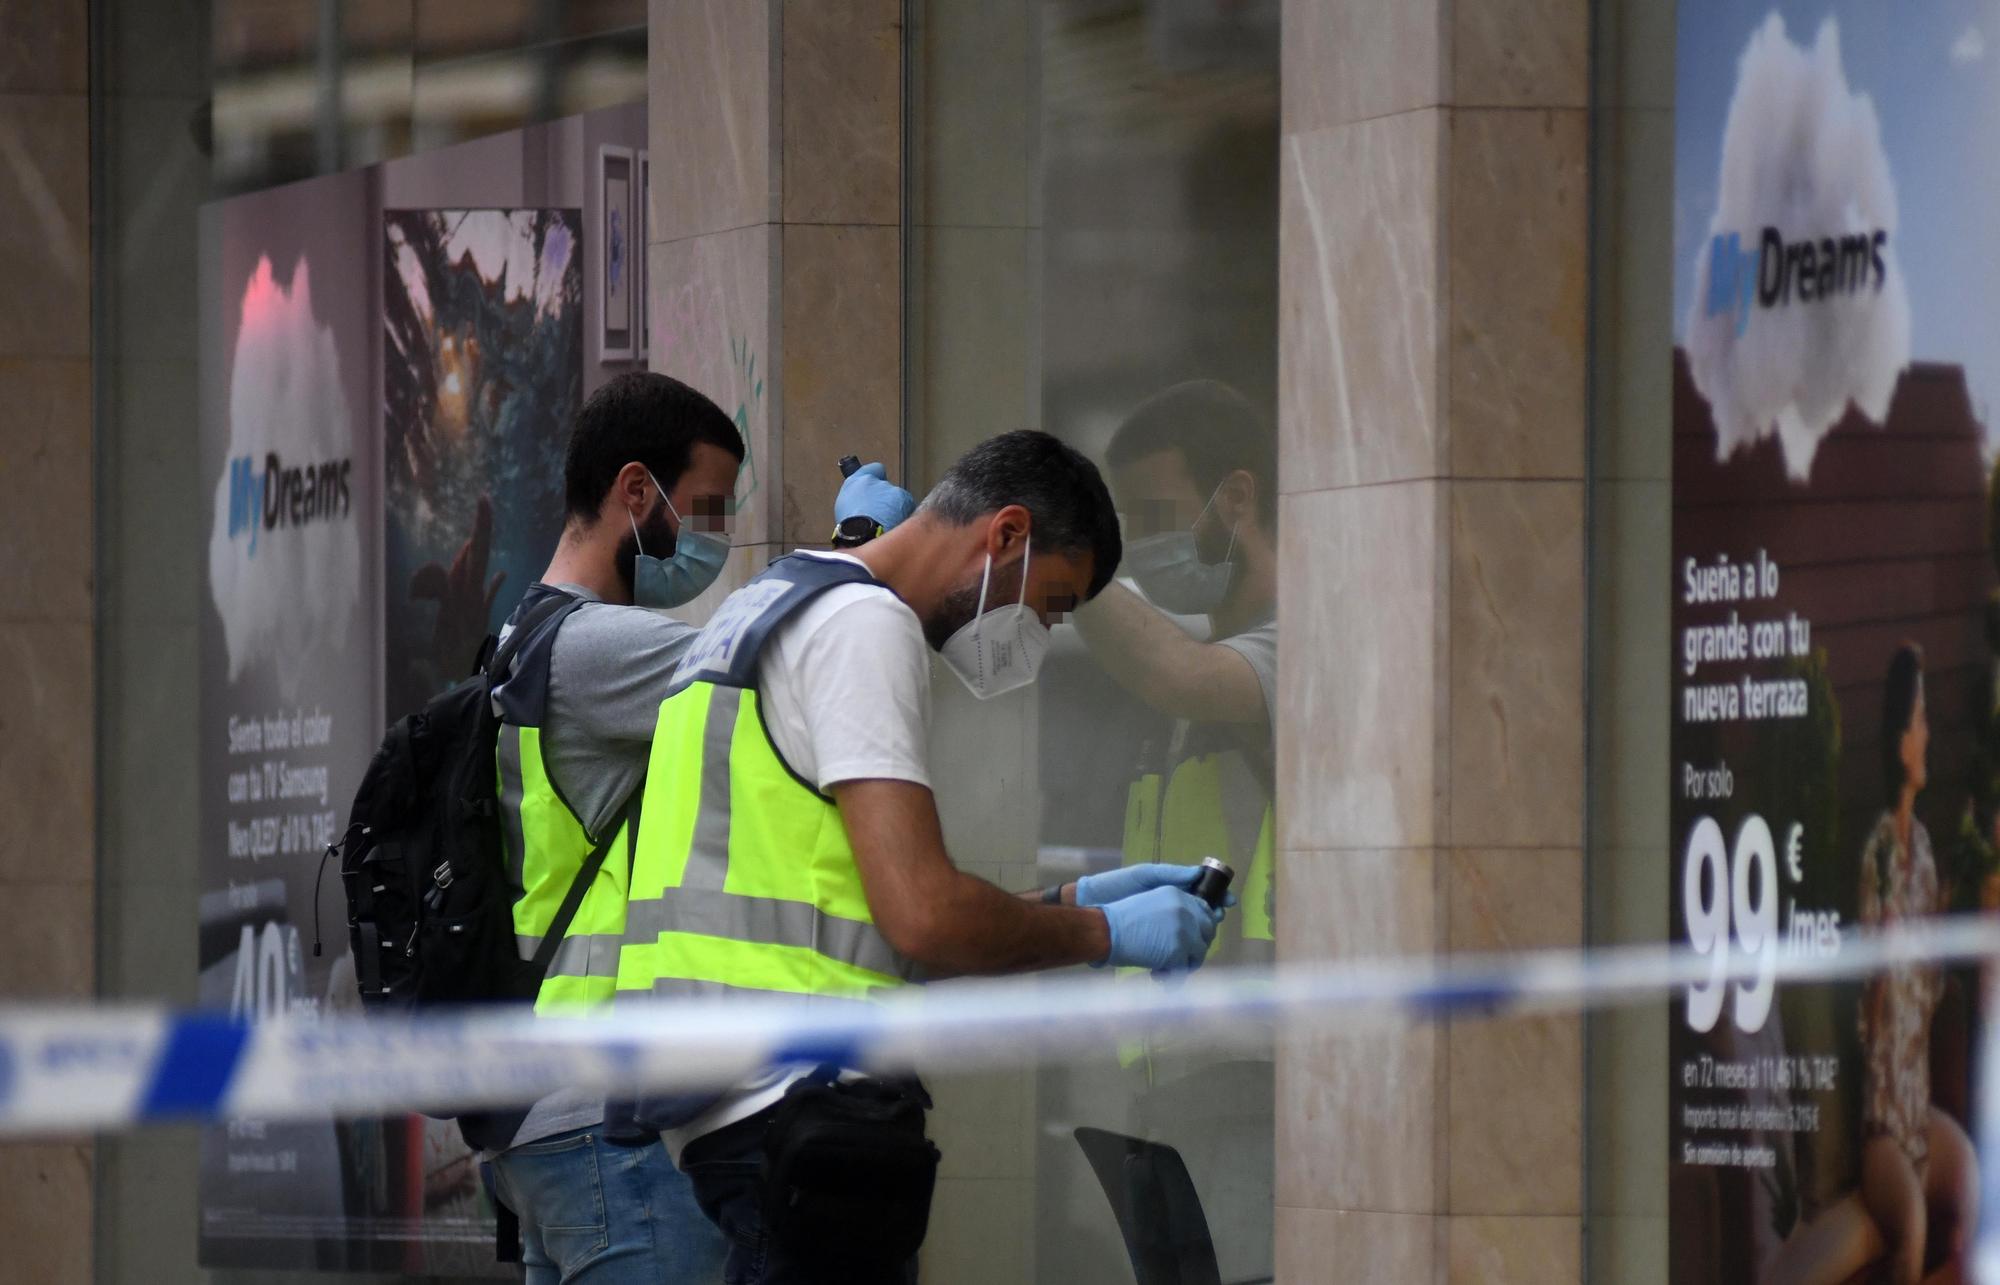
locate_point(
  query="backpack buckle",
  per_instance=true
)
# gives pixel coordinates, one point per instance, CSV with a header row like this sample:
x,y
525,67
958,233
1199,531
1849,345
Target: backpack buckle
x,y
442,875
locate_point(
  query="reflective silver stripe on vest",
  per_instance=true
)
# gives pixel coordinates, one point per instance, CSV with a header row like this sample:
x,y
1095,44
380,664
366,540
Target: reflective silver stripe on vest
x,y
766,921
512,790
690,988
699,905
708,856
580,955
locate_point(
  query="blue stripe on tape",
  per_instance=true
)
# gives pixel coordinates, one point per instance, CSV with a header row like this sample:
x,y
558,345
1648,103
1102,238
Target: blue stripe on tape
x,y
818,1051
1478,994
196,1067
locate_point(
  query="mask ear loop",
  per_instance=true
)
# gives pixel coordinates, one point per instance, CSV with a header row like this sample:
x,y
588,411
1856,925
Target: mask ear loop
x,y
1204,508
1230,553
635,533
665,499
985,578
1027,560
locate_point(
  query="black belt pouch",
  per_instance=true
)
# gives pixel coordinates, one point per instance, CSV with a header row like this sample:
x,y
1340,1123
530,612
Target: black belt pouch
x,y
848,1172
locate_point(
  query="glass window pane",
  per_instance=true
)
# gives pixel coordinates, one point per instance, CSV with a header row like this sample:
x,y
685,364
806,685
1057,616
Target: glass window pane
x,y
1093,252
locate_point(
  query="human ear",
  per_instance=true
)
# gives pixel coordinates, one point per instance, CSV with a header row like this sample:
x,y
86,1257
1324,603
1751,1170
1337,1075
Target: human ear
x,y
1005,529
1237,497
632,489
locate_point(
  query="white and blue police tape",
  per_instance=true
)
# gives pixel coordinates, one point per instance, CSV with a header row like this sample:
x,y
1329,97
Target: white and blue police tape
x,y
66,1069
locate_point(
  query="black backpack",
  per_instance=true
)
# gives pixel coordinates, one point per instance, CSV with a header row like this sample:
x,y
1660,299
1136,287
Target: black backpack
x,y
429,902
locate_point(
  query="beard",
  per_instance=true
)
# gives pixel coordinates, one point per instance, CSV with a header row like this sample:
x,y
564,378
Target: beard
x,y
962,604
952,614
659,543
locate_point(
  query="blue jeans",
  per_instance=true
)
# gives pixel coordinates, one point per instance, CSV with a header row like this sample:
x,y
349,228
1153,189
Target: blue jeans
x,y
595,1212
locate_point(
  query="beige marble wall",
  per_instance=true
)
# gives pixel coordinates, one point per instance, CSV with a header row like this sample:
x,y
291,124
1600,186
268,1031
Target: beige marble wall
x,y
776,260
842,253
47,846
713,82
1433,267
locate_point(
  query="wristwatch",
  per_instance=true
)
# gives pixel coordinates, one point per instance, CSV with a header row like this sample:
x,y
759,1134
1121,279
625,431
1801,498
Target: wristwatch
x,y
852,533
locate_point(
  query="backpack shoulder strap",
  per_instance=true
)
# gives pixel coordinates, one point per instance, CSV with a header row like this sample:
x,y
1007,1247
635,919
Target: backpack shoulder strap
x,y
518,674
538,610
725,652
579,887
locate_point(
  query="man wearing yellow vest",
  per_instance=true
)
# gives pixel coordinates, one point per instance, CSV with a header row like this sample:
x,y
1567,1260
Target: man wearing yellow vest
x,y
790,844
1193,468
649,481
1194,471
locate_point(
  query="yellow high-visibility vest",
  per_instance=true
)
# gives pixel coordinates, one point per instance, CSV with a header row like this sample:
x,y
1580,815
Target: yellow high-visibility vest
x,y
546,847
742,876
1183,818
546,844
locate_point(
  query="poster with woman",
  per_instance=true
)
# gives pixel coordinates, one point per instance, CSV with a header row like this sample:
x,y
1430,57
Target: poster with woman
x,y
1836,628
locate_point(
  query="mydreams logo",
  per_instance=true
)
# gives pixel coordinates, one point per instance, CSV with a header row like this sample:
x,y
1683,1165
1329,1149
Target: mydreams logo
x,y
1781,271
282,495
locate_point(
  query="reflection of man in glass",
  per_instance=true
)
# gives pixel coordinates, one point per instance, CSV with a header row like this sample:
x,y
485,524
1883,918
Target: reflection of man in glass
x,y
1193,470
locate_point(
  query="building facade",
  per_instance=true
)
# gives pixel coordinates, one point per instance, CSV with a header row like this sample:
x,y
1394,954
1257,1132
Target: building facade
x,y
1424,270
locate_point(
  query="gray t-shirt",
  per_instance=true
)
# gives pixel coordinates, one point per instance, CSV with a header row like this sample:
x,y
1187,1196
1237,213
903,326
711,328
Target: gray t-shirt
x,y
1259,645
608,673
609,670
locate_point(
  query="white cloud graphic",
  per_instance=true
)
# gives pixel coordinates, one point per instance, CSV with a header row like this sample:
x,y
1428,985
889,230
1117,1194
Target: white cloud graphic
x,y
297,590
1801,153
1969,48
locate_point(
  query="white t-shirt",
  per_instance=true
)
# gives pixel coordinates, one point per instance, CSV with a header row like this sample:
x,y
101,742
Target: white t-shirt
x,y
845,687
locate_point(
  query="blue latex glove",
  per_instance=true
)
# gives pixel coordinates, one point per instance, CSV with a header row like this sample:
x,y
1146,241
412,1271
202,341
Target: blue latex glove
x,y
1163,929
1127,881
869,493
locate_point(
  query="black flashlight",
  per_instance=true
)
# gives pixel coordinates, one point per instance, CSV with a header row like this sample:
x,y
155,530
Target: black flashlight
x,y
1212,884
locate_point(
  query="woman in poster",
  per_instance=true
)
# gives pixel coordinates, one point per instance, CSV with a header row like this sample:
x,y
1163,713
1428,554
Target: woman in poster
x,y
1919,1180
1917,1167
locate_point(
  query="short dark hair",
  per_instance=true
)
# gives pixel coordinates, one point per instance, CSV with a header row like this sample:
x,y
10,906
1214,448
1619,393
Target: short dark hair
x,y
654,419
1215,429
1900,690
1058,485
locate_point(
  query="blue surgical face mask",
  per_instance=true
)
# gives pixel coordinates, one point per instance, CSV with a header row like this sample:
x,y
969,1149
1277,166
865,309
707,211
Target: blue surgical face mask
x,y
1169,569
679,580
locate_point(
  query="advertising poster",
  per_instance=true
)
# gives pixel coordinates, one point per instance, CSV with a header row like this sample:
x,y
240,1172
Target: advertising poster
x,y
289,689
1836,750
390,363
482,352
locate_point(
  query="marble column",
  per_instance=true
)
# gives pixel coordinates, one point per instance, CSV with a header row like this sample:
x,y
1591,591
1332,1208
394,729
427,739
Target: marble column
x,y
1430,738
775,251
47,848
